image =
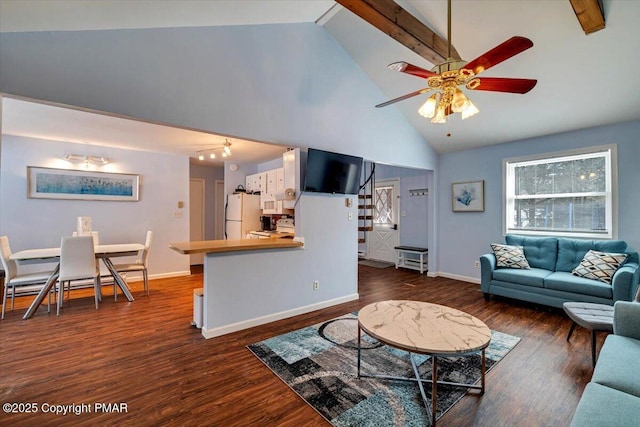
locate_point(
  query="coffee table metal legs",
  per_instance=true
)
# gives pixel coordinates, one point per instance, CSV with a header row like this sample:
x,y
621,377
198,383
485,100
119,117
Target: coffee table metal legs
x,y
433,388
359,348
431,409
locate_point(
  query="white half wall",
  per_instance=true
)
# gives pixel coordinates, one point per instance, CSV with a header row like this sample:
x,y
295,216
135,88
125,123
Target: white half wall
x,y
245,289
40,223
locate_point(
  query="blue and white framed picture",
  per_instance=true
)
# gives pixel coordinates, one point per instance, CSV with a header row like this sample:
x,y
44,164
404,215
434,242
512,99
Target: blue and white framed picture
x,y
69,184
467,196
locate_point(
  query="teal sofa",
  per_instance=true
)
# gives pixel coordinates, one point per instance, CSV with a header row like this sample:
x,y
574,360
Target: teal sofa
x,y
549,280
612,398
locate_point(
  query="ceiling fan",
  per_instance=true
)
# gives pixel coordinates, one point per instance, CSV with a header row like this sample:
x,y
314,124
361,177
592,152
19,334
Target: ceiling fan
x,y
446,77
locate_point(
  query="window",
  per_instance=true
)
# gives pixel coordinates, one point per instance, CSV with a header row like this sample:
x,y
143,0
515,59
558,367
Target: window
x,y
562,194
383,212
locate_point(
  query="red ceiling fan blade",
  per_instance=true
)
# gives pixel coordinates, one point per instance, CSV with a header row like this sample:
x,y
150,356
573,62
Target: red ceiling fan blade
x,y
503,84
500,53
403,97
405,67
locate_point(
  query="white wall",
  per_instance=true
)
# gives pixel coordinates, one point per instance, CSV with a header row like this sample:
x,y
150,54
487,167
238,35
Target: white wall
x,y
288,84
243,289
37,223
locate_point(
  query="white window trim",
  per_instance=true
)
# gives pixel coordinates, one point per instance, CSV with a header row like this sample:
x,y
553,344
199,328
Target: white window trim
x,y
611,189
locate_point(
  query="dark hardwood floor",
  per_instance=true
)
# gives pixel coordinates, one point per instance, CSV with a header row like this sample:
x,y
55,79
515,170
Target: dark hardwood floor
x,y
145,354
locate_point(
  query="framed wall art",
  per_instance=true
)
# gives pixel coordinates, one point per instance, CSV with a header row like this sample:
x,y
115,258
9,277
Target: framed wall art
x,y
467,196
51,183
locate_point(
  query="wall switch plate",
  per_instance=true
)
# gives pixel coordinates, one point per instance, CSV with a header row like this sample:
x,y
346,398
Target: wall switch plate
x,y
476,264
316,285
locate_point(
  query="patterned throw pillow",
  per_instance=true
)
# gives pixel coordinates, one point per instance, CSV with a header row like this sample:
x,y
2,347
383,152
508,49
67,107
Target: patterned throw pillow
x,y
599,265
510,256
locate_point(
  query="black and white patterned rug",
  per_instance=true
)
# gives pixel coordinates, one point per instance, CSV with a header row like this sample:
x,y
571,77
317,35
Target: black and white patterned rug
x,y
319,363
376,264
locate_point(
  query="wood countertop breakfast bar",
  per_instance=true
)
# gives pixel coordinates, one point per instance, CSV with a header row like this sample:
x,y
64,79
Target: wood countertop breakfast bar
x,y
246,281
217,246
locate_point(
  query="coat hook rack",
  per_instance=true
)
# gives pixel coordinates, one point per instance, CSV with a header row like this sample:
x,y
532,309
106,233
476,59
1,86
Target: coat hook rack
x,y
419,192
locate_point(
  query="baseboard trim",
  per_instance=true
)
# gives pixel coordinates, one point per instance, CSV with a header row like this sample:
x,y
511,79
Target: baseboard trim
x,y
138,277
457,277
249,323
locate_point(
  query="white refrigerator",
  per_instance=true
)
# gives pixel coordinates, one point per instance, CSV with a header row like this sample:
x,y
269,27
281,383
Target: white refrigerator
x,y
242,215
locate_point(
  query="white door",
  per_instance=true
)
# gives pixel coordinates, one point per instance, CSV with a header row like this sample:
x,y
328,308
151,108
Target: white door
x,y
196,216
386,221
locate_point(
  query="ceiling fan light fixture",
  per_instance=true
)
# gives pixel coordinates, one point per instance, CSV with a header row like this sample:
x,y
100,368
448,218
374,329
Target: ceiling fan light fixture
x,y
441,116
444,78
428,109
469,111
460,102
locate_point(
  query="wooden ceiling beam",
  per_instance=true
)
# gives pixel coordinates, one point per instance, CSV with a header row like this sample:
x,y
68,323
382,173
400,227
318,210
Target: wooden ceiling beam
x,y
396,22
590,14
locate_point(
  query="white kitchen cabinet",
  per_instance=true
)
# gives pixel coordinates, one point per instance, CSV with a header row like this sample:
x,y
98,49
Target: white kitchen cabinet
x,y
272,179
275,183
289,168
280,180
291,163
268,198
253,183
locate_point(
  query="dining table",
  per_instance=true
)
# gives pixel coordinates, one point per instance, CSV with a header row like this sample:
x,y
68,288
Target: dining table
x,y
49,255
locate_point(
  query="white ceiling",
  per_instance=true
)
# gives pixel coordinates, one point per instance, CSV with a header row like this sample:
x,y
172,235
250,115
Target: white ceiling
x,y
80,126
583,81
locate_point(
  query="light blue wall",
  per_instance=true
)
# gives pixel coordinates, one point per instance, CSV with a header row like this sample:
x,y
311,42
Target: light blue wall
x,y
234,299
289,84
463,237
271,164
39,223
413,225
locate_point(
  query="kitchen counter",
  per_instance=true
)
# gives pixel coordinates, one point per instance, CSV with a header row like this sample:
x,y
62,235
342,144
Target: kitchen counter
x,y
243,281
217,246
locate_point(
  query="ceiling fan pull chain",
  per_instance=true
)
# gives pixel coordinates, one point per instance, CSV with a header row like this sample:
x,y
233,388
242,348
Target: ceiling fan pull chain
x,y
449,30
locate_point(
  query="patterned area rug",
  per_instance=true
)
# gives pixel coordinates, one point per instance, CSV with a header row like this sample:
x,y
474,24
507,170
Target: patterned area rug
x,y
319,363
376,264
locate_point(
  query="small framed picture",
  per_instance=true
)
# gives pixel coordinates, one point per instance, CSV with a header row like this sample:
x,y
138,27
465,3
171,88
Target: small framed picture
x,y
467,196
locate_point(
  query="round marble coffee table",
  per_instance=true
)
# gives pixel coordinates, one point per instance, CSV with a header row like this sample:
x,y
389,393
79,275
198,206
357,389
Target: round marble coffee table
x,y
424,328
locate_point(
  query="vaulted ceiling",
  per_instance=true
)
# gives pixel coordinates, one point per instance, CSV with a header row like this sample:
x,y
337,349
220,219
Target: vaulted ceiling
x,y
583,80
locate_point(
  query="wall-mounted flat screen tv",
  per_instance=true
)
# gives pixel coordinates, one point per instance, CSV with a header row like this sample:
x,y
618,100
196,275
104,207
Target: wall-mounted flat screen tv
x,y
333,173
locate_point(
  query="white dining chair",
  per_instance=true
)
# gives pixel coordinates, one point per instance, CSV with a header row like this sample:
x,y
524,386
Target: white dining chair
x,y
78,262
15,283
105,275
140,264
94,234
